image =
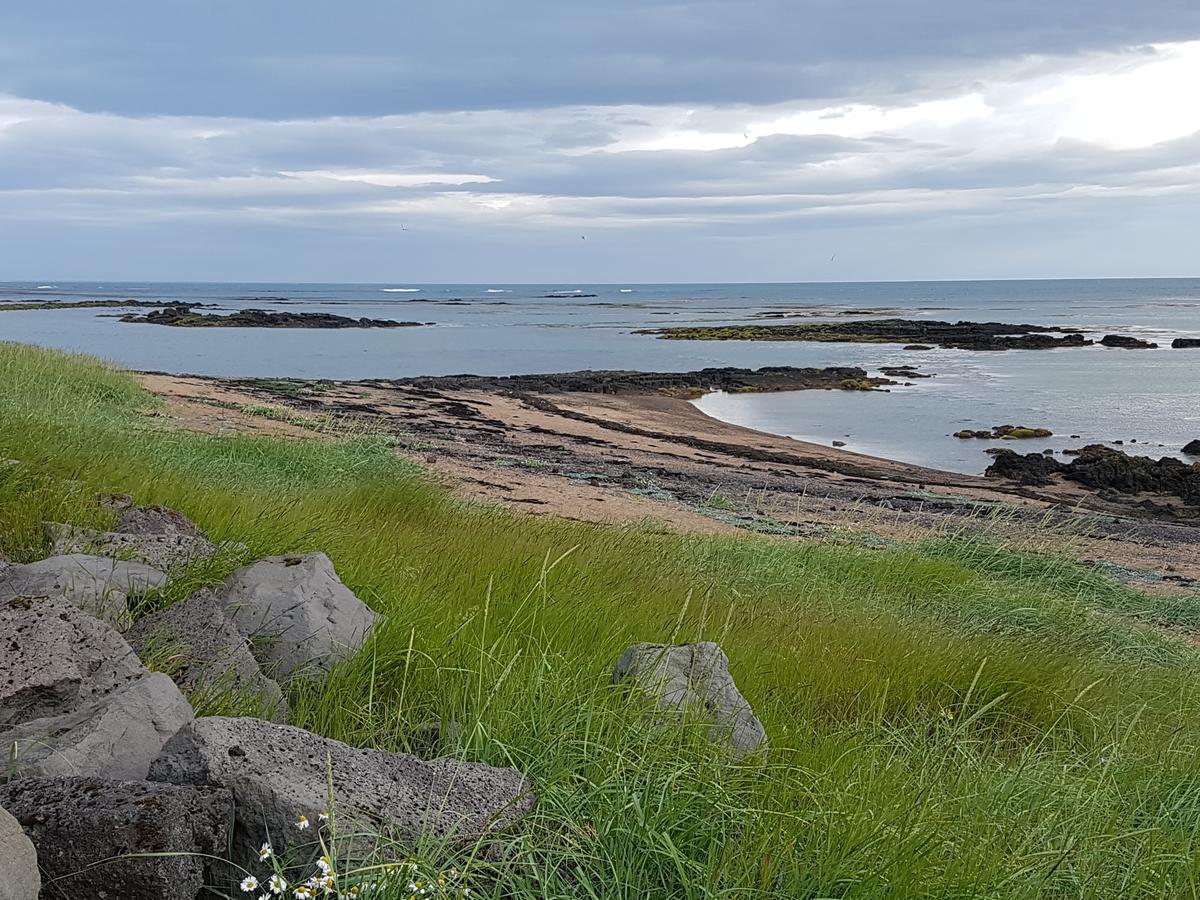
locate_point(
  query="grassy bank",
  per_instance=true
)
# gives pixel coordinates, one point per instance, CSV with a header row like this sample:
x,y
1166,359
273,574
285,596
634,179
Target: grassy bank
x,y
946,719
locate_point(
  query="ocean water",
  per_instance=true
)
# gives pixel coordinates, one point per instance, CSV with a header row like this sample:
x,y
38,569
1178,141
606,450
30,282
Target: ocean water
x,y
1100,394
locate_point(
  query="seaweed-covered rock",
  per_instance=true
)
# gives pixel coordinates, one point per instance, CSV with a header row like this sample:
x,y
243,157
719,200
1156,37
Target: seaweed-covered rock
x,y
84,826
56,659
183,317
296,611
161,550
208,652
693,679
96,584
1185,343
278,774
116,736
1125,342
19,876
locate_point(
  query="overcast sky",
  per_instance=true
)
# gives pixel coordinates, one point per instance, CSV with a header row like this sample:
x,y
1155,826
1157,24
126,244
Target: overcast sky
x,y
623,140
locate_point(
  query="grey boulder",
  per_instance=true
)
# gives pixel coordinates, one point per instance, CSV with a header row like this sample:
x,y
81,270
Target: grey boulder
x,y
153,519
162,551
278,774
54,658
96,584
296,611
693,680
116,736
207,652
82,827
19,877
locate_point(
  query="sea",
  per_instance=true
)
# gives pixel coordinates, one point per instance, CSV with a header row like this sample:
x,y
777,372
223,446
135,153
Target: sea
x,y
1145,401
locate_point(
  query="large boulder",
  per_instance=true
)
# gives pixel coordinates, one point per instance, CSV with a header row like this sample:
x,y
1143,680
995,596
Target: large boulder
x,y
208,653
85,828
116,736
19,878
278,774
152,519
96,584
162,551
296,611
55,658
687,680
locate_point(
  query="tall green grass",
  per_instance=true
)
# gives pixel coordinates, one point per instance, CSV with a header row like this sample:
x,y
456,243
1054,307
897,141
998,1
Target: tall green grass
x,y
947,719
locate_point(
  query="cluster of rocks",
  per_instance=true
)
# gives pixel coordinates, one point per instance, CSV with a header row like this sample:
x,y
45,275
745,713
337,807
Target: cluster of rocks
x,y
181,315
1104,469
112,787
1006,433
104,758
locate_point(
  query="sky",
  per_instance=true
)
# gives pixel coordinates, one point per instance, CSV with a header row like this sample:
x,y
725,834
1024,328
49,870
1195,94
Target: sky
x,y
623,141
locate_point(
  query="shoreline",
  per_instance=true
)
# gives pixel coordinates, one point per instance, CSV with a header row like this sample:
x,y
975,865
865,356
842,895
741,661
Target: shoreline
x,y
630,457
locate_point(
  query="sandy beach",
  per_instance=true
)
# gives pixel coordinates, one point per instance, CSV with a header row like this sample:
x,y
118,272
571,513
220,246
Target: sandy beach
x,y
648,458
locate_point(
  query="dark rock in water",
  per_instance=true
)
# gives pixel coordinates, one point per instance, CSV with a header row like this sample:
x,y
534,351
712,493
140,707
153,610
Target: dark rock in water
x,y
917,347
81,826
104,304
961,335
182,316
903,372
839,443
1105,469
567,295
1126,342
1006,432
676,384
1185,343
1192,448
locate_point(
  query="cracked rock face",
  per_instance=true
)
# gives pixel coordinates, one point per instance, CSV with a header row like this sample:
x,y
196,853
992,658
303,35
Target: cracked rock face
x,y
161,551
210,652
693,680
278,773
80,825
96,584
116,736
54,659
296,612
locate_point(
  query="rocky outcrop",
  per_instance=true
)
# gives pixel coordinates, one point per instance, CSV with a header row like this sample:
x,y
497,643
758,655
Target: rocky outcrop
x,y
278,774
182,316
1185,344
1104,469
1125,342
116,736
1192,448
161,550
85,828
98,585
151,518
1006,433
728,378
19,877
960,335
57,659
693,680
296,612
209,652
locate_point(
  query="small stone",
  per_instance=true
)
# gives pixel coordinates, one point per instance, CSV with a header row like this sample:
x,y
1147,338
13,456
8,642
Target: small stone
x,y
694,679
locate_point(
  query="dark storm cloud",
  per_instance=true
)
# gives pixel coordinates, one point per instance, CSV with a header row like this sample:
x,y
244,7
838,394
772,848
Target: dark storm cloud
x,y
308,58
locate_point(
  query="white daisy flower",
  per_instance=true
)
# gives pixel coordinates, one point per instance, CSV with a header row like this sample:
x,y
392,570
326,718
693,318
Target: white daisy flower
x,y
277,884
302,823
264,852
249,883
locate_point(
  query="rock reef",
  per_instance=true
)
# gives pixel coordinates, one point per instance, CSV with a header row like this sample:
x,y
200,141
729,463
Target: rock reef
x,y
182,316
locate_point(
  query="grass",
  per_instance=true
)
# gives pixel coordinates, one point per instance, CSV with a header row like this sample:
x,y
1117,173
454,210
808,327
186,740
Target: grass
x,y
947,719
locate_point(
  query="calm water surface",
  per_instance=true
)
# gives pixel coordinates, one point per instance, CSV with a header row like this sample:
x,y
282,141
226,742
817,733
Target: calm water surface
x,y
1097,393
